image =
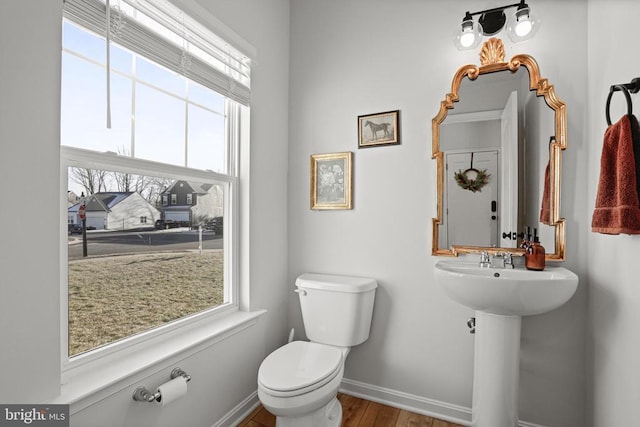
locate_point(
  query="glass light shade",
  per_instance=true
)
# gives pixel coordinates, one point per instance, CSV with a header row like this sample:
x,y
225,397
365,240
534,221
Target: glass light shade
x,y
522,25
469,36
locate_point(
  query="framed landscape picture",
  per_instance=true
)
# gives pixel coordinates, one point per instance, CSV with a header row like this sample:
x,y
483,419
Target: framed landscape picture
x,y
379,129
331,180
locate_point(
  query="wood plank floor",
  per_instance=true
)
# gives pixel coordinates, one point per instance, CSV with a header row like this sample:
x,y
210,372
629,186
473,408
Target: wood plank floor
x,y
358,412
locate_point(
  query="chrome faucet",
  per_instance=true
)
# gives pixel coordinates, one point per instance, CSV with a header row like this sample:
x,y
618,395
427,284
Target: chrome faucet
x,y
508,260
484,260
498,260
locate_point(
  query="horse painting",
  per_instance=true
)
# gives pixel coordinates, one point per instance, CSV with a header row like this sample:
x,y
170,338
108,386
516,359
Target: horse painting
x,y
377,127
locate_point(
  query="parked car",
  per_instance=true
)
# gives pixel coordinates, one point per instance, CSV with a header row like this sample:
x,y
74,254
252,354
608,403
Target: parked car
x,y
163,224
215,224
75,229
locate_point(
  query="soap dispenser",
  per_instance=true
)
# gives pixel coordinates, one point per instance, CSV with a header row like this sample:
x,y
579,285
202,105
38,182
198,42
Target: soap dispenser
x,y
534,256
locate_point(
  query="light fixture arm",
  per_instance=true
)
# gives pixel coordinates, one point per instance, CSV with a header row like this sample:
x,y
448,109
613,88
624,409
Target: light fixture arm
x,y
498,9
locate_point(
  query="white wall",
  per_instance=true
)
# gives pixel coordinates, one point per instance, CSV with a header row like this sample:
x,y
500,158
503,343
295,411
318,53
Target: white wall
x,y
614,290
365,56
223,374
470,135
29,134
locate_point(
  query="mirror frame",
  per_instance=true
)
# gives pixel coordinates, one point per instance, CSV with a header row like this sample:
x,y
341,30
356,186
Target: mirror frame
x,y
491,61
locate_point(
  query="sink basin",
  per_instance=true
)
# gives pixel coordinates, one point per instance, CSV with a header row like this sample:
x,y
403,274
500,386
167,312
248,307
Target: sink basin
x,y
509,292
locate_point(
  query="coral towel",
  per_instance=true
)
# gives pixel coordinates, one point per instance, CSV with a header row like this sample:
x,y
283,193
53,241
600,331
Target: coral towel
x,y
545,209
617,206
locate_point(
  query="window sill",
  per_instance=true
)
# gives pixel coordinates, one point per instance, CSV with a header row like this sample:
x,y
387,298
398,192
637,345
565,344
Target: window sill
x,y
87,384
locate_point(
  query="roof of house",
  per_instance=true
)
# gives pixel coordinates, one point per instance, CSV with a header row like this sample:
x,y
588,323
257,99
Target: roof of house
x,y
196,187
103,201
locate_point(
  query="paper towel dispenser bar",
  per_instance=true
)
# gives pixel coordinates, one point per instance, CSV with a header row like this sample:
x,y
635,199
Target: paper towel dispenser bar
x,y
141,394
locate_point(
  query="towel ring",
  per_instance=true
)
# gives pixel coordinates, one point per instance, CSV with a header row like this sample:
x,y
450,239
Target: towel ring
x,y
625,91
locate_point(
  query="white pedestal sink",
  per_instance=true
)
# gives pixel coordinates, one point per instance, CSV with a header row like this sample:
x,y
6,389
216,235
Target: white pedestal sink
x,y
501,297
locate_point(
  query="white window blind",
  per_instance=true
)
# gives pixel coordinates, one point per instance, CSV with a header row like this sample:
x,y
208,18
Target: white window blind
x,y
164,34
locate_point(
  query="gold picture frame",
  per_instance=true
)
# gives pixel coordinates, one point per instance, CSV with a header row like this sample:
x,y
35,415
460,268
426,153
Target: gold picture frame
x,y
331,181
379,129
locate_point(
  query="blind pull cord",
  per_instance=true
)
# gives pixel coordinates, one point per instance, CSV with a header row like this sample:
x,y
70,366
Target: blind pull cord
x,y
108,46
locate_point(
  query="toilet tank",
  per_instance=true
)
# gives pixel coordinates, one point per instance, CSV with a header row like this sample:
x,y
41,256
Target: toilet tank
x,y
336,310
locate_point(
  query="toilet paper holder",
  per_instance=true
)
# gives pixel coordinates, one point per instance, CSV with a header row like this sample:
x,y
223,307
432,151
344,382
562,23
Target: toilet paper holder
x,y
142,394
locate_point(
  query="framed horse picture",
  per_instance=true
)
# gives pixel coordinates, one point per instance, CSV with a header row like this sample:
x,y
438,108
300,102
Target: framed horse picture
x,y
379,129
331,180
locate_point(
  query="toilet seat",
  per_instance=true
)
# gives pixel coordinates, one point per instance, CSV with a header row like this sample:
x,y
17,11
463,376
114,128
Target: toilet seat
x,y
298,368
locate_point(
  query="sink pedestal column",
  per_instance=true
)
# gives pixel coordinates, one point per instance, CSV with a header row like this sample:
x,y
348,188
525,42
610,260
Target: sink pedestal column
x,y
496,370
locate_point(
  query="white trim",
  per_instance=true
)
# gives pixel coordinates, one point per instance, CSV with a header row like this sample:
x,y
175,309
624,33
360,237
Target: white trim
x,y
92,384
526,424
241,411
410,402
466,150
119,163
478,116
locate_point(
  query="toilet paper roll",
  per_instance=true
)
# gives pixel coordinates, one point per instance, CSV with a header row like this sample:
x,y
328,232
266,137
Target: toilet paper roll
x,y
172,390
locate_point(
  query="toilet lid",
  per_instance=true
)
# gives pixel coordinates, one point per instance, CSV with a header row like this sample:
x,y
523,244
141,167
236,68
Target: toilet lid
x,y
298,365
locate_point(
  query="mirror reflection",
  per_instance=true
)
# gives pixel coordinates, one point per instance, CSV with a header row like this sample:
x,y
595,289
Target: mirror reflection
x,y
498,151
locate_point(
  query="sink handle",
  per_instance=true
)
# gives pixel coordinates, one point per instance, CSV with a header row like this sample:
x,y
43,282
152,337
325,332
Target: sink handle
x,y
484,259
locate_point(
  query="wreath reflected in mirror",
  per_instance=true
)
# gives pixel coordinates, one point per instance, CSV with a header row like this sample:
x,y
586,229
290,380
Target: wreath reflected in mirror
x,y
472,179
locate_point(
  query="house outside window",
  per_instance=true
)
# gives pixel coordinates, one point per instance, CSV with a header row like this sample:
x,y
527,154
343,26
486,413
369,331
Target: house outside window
x,y
165,128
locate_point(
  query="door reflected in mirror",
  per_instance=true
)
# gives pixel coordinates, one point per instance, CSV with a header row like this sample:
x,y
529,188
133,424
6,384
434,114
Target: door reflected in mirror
x,y
498,140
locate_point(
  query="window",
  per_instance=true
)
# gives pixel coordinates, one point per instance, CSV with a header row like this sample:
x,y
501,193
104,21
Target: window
x,y
173,117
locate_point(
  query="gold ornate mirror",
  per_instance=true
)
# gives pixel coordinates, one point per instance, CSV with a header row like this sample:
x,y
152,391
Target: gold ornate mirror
x,y
498,140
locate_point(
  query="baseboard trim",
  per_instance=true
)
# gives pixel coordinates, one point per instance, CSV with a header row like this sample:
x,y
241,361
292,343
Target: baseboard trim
x,y
398,399
410,402
239,412
526,424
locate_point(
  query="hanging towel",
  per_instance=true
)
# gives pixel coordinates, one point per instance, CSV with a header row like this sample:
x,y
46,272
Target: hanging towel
x,y
635,136
545,208
617,202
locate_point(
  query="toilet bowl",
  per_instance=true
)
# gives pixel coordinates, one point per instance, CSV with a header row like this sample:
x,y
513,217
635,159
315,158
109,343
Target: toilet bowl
x,y
298,383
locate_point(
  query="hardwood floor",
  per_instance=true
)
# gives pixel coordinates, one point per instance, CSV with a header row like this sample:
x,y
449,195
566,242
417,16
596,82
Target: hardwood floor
x,y
358,412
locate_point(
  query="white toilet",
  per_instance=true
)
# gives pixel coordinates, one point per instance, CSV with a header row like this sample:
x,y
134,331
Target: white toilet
x,y
298,383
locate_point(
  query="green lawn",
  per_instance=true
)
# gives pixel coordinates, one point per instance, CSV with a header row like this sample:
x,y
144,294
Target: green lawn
x,y
114,297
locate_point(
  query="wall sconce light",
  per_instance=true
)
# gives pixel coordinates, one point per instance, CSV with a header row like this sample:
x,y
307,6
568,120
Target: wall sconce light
x,y
521,25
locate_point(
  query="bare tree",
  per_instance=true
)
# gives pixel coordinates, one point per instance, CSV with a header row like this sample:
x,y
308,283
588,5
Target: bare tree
x,y
93,181
156,186
148,187
123,181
